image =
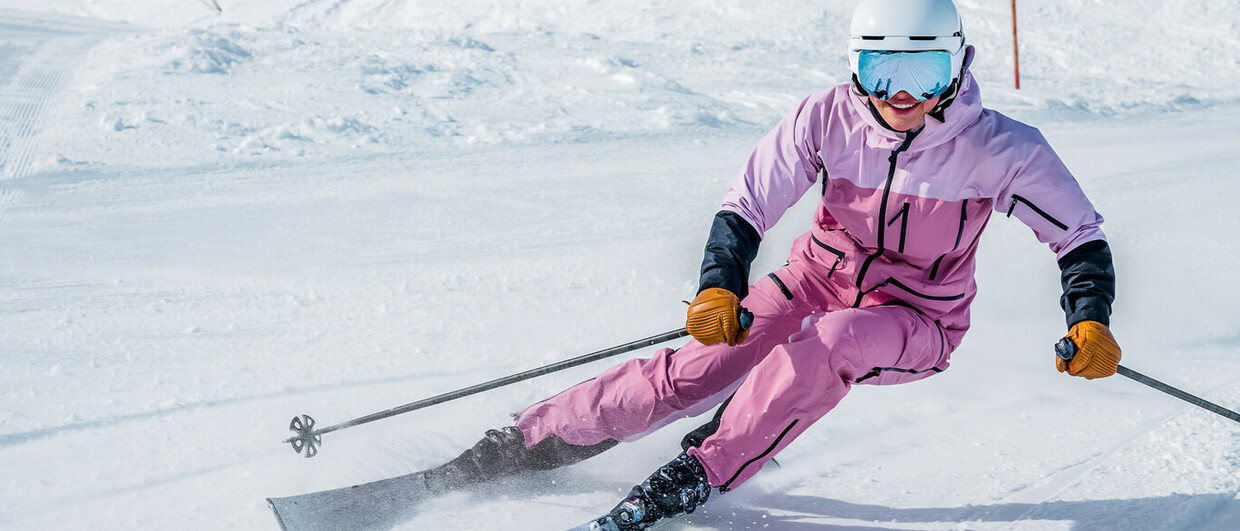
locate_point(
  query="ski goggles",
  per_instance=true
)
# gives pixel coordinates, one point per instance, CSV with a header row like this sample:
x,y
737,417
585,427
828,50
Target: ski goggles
x,y
925,75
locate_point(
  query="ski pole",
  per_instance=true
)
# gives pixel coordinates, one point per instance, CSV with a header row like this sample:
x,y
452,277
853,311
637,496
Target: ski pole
x,y
309,439
1066,350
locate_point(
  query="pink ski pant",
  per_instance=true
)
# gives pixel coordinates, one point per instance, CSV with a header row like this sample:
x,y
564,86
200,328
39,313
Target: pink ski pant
x,y
805,350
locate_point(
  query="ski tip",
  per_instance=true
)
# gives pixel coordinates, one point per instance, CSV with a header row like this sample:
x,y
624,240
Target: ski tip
x,y
275,509
599,524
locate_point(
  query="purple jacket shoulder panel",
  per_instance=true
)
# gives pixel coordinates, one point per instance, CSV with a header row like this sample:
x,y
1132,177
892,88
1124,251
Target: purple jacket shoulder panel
x,y
905,219
1039,190
783,167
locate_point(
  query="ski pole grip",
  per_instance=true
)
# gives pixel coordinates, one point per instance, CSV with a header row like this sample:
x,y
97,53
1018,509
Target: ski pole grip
x,y
1065,349
744,318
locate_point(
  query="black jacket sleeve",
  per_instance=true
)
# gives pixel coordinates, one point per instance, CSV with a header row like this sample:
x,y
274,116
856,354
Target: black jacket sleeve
x,y
1088,279
731,248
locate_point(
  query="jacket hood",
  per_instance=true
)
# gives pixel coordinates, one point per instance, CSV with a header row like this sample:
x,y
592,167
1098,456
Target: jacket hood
x,y
962,112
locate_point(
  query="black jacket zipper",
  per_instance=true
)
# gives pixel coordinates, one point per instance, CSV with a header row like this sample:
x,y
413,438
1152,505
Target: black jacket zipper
x,y
882,214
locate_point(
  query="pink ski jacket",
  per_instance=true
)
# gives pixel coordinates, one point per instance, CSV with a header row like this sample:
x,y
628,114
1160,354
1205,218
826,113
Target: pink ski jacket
x,y
901,215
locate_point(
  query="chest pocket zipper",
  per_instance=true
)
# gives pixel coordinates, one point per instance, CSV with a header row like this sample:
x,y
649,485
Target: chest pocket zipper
x,y
903,217
964,216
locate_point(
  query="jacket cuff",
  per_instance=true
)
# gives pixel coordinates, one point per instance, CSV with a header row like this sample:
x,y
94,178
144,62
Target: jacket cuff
x,y
730,249
1087,276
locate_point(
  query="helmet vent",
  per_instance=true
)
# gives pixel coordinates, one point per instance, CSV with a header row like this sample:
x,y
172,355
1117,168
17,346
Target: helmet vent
x,y
922,37
872,37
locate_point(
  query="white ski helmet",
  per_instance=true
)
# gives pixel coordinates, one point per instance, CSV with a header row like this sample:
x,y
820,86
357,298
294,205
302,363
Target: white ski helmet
x,y
907,26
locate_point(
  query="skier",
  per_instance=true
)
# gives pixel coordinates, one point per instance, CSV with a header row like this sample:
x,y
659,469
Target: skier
x,y
909,166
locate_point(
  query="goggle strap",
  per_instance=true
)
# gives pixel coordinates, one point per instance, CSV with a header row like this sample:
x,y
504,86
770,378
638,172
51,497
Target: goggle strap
x,y
948,97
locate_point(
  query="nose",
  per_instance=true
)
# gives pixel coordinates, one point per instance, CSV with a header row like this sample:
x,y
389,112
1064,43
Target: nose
x,y
902,97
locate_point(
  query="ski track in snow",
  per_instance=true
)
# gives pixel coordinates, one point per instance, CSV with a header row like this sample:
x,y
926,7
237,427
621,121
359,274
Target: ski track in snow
x,y
336,207
42,53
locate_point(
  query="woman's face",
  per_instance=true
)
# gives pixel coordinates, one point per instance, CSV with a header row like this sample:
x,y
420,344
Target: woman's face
x,y
903,112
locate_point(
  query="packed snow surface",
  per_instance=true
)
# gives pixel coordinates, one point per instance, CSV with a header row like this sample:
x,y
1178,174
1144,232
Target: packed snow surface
x,y
218,214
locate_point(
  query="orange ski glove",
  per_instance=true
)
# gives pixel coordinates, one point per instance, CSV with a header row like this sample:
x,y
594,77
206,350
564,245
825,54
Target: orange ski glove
x,y
715,317
1089,351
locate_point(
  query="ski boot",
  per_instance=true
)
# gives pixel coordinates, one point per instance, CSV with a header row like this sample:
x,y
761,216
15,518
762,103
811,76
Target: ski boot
x,y
676,488
503,453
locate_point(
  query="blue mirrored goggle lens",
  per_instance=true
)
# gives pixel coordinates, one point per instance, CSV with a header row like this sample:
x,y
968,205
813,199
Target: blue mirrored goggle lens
x,y
923,74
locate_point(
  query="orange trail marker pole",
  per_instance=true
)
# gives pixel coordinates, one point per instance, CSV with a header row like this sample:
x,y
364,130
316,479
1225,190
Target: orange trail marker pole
x,y
1015,51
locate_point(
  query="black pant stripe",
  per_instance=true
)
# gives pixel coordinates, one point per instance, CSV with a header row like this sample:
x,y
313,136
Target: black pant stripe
x,y
728,485
879,370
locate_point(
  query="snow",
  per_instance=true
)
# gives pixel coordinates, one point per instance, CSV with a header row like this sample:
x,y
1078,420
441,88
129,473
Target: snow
x,y
214,221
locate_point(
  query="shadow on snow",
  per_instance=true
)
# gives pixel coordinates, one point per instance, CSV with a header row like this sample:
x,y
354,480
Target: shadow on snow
x,y
800,512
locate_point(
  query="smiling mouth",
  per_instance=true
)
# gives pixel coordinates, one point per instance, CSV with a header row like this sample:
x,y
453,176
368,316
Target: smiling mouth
x,y
902,106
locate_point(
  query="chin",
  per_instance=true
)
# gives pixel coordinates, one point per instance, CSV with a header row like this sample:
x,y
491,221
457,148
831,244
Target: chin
x,y
904,120
904,125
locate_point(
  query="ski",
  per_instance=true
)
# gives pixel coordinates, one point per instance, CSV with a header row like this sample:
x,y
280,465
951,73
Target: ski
x,y
604,523
379,504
